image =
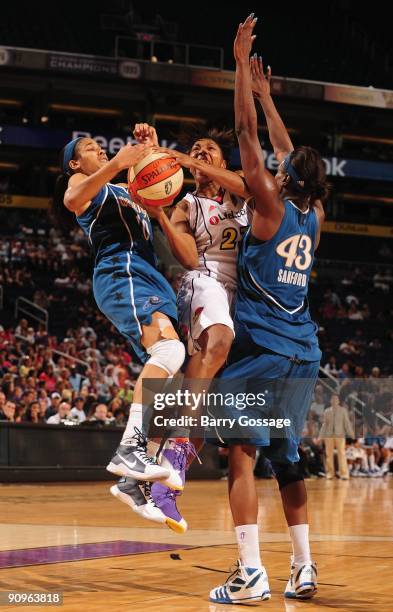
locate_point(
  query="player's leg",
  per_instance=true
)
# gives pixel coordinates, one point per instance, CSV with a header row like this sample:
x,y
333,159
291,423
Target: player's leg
x,y
166,354
204,315
296,386
249,581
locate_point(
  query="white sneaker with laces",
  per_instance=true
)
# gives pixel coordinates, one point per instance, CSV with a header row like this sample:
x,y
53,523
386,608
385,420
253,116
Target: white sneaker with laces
x,y
244,584
302,583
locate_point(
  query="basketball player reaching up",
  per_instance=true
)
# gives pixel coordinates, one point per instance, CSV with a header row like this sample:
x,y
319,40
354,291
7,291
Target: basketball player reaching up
x,y
203,232
276,342
131,293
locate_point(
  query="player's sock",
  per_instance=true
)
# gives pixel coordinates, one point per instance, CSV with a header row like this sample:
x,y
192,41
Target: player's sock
x,y
134,420
371,461
248,543
300,544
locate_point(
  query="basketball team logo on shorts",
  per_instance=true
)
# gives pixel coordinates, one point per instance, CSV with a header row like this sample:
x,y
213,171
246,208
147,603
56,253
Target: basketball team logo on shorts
x,y
197,314
214,220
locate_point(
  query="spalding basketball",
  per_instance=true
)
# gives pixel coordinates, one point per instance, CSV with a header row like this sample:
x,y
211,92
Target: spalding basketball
x,y
157,179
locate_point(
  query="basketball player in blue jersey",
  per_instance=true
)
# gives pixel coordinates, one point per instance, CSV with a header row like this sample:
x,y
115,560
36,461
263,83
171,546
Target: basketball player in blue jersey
x,y
131,293
276,340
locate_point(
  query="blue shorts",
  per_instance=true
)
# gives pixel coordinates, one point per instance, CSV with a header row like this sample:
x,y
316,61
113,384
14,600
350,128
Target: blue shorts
x,y
128,289
287,385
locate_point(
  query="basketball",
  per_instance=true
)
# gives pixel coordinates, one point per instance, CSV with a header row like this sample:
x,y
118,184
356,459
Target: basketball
x,y
157,179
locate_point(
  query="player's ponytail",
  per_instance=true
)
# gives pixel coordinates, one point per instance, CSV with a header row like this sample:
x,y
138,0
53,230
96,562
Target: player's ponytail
x,y
310,167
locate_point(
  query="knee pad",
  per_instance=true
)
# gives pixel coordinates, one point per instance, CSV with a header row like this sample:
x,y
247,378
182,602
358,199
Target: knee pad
x,y
286,473
168,355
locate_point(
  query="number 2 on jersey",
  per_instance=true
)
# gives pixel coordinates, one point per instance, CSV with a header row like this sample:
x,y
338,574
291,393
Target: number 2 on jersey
x,y
230,236
289,250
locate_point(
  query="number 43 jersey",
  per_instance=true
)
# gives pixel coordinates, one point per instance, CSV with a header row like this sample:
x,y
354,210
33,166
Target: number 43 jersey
x,y
218,225
273,276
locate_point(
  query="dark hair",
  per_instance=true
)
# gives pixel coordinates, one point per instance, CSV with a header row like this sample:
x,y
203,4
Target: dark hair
x,y
223,138
62,216
310,167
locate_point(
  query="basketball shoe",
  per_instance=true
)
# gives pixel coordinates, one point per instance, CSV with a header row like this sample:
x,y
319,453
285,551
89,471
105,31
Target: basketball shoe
x,y
302,583
137,495
174,457
165,499
244,584
132,461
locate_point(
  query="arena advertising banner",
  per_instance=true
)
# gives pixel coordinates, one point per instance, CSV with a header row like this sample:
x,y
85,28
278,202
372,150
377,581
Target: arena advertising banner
x,y
186,75
8,200
56,139
357,229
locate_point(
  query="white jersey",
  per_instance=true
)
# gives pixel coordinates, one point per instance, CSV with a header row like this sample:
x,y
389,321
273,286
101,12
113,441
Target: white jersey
x,y
217,225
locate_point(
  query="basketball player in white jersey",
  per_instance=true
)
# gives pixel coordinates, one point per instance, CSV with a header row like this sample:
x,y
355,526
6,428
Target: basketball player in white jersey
x,y
203,233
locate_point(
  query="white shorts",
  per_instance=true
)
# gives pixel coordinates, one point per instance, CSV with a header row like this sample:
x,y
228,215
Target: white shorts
x,y
202,301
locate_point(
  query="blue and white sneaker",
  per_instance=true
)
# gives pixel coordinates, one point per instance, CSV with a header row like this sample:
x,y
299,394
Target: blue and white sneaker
x,y
244,584
302,583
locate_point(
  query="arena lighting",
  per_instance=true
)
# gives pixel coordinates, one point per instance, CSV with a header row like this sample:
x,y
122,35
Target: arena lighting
x,y
178,118
366,198
44,119
263,128
53,169
92,110
9,165
9,102
376,139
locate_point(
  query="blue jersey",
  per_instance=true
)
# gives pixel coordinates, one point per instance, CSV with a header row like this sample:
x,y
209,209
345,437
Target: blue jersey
x,y
114,223
273,276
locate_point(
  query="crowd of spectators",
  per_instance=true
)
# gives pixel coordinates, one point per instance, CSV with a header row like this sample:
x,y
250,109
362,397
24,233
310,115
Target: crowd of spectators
x,y
85,374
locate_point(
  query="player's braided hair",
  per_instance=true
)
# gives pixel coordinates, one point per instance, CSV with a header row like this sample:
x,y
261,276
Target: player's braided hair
x,y
310,166
224,138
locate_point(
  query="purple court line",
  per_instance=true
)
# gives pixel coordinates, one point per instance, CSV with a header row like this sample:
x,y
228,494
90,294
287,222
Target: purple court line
x,y
69,552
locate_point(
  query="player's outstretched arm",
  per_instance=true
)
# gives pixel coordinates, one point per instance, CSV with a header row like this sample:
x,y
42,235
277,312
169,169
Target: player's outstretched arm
x,y
231,181
260,182
260,84
82,188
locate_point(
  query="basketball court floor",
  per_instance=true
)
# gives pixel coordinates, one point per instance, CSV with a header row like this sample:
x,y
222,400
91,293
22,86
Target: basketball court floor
x,y
78,539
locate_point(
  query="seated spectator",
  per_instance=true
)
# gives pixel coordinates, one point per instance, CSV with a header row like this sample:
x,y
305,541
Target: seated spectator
x,y
54,405
120,417
77,411
318,404
101,416
354,314
62,414
331,366
34,413
8,412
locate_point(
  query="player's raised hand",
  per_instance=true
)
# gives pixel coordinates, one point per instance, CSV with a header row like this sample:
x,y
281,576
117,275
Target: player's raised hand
x,y
182,158
260,82
145,134
244,39
129,155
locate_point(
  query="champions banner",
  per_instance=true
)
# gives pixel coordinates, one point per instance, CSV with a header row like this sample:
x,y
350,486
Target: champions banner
x,y
113,68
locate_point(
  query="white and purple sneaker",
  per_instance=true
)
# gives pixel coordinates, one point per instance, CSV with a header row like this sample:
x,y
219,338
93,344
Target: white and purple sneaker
x,y
165,500
173,458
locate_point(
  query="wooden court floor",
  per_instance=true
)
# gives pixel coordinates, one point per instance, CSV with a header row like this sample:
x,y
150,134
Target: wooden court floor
x,y
78,539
